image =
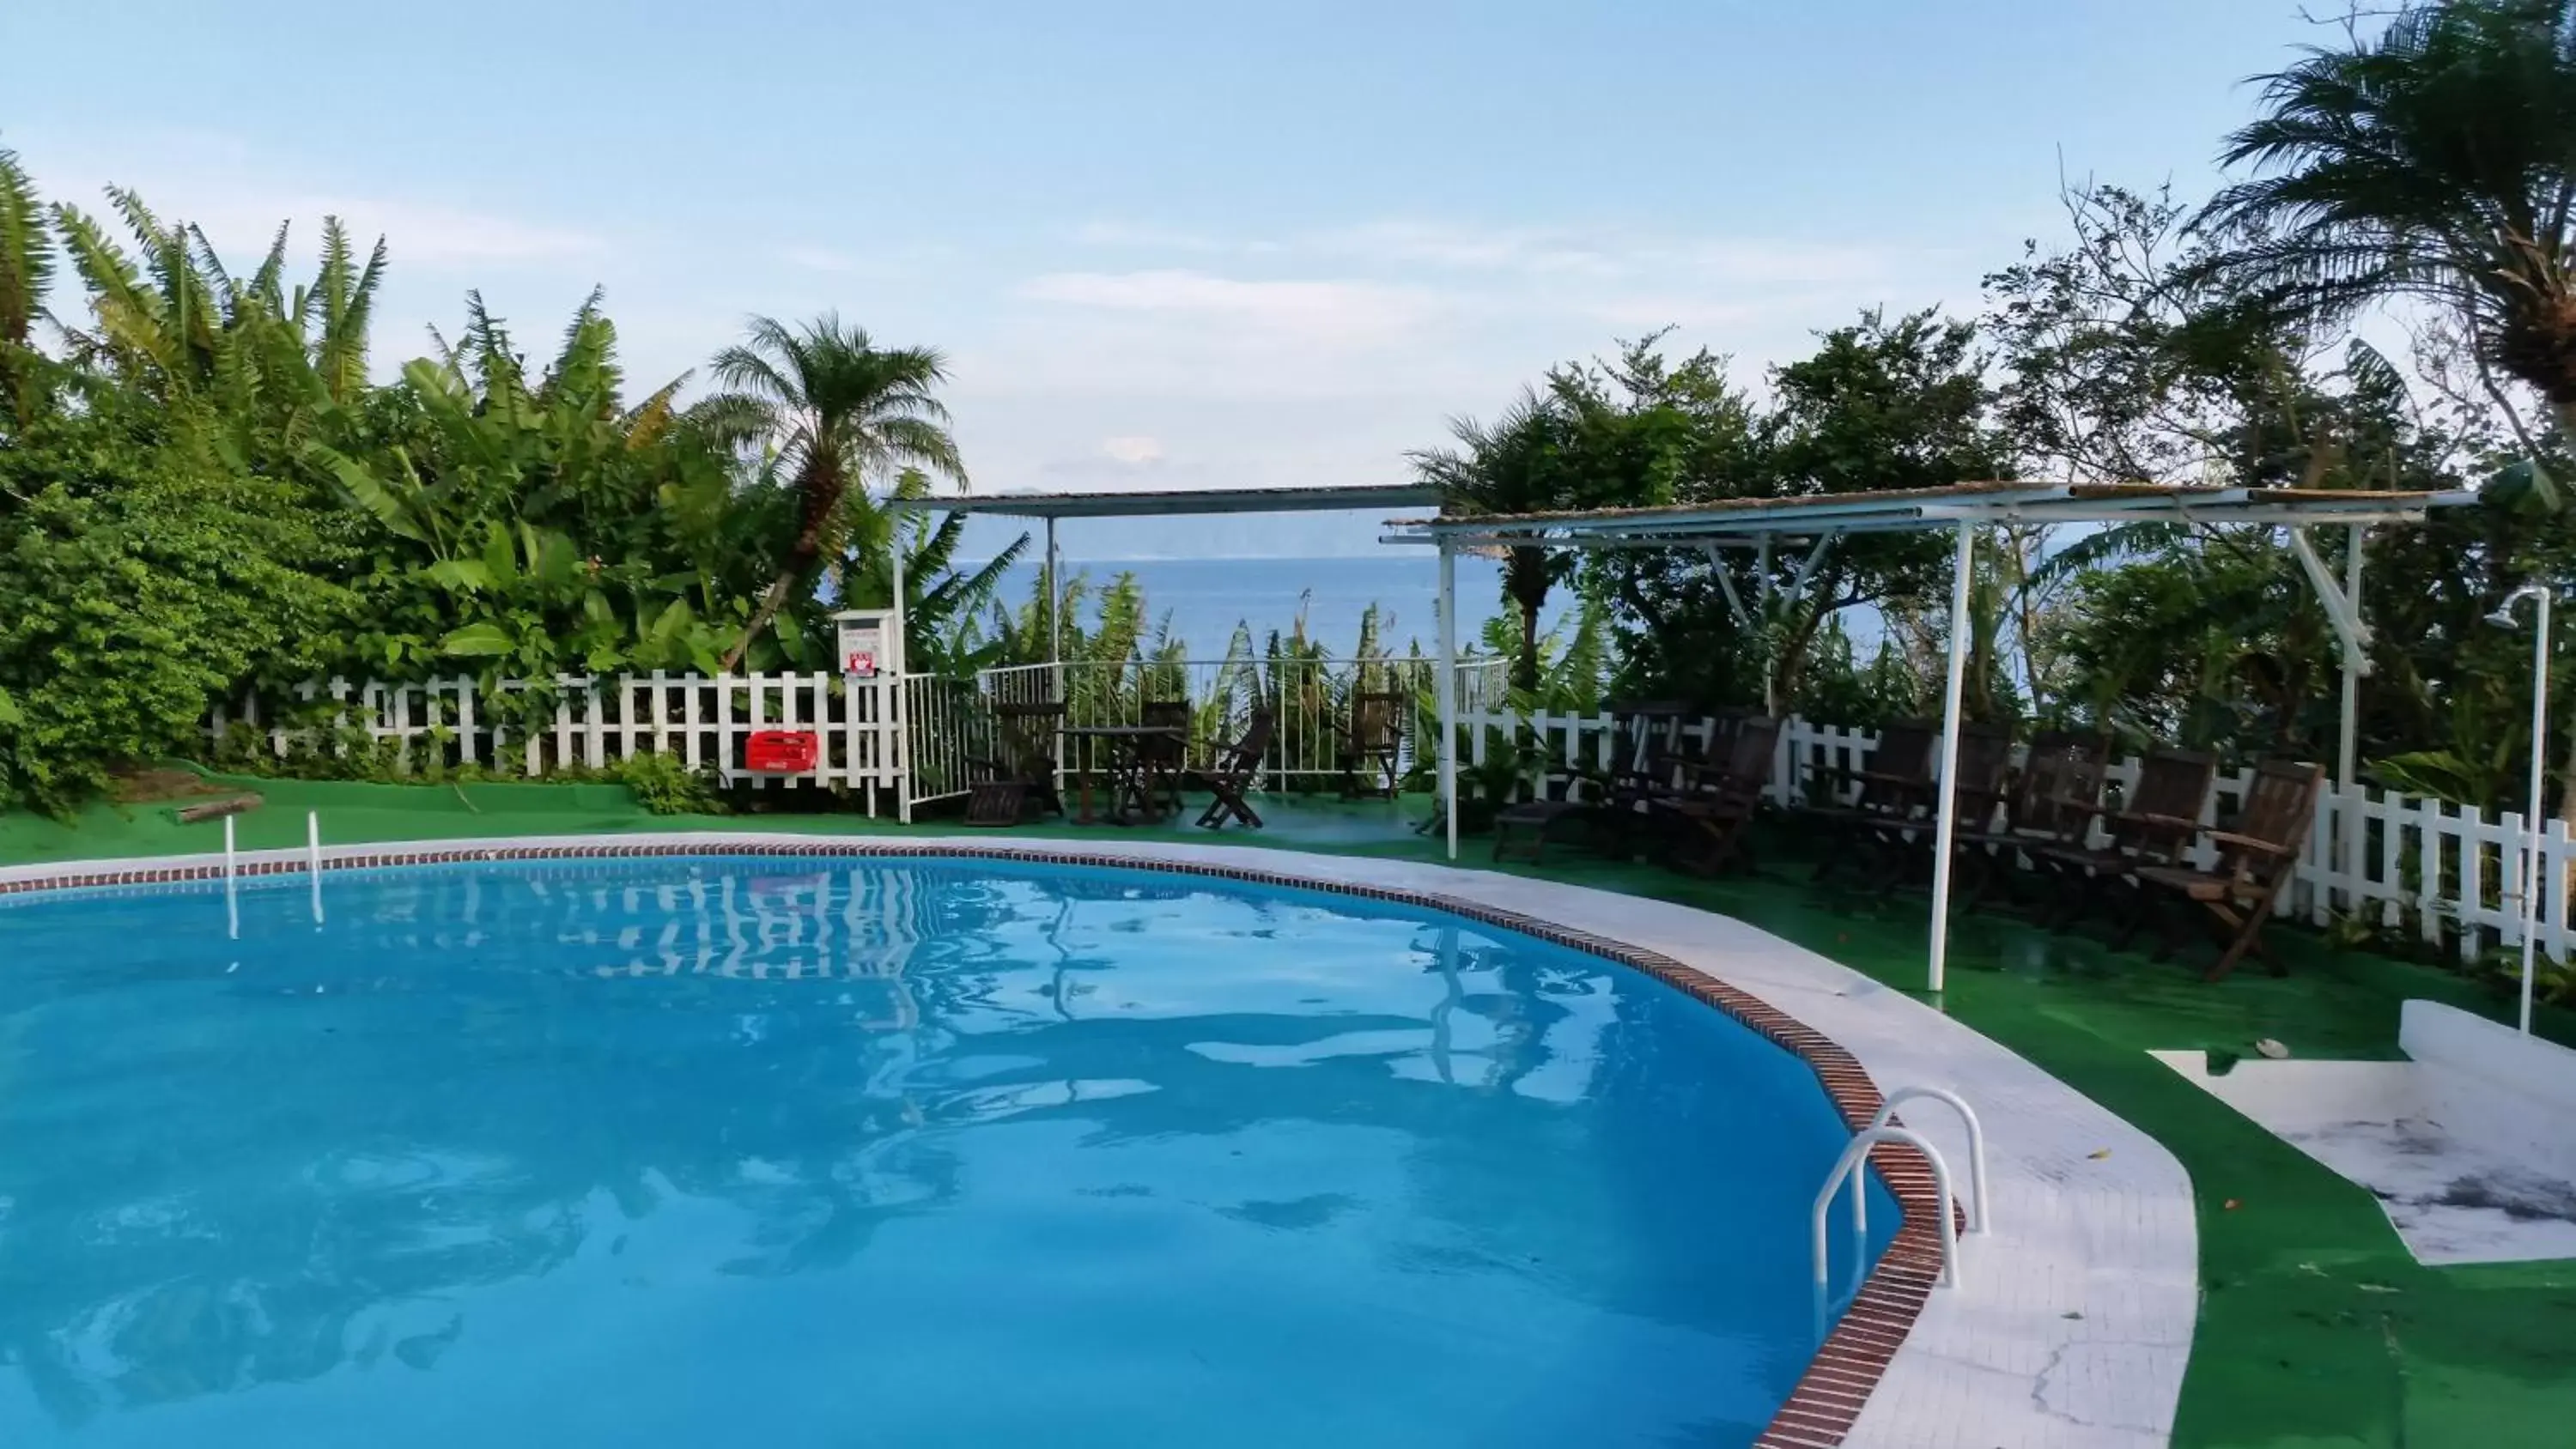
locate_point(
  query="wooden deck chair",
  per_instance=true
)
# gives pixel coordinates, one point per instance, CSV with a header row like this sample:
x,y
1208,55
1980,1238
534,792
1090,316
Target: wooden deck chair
x,y
1718,800
1892,787
1236,768
1612,801
1021,775
1522,831
1901,843
1373,738
2256,862
2053,800
2154,826
1162,761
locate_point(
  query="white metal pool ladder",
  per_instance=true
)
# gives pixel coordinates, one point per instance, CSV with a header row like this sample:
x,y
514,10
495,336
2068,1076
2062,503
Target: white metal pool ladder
x,y
1856,1156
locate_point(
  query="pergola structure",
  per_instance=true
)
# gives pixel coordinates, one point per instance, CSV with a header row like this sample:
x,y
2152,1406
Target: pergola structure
x,y
1814,523
1170,503
1051,507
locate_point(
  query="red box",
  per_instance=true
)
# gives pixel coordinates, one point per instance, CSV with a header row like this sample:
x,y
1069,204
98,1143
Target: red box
x,y
781,752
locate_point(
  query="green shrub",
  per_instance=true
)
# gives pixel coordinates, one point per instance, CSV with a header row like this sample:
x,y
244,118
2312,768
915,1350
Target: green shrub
x,y
665,786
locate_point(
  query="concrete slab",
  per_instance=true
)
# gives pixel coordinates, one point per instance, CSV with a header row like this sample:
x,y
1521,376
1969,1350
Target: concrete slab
x,y
2454,1193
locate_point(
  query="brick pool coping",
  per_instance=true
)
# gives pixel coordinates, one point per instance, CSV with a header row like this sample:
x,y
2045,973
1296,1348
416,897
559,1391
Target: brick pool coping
x,y
1829,1397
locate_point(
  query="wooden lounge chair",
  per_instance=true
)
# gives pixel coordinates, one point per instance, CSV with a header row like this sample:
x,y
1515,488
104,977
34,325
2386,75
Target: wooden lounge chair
x,y
2256,862
1646,746
2155,826
1021,777
1161,760
1373,739
1893,787
1237,766
1904,841
1522,831
1716,801
2052,803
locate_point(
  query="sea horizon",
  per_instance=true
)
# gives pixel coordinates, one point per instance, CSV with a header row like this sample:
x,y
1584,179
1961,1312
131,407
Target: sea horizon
x,y
1205,599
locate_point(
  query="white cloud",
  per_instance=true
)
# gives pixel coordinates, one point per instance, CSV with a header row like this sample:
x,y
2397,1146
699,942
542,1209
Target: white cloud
x,y
1145,236
1472,248
1135,452
211,181
1331,312
818,259
427,233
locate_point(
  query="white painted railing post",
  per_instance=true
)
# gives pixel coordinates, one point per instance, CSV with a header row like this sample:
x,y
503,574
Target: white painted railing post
x,y
1982,1218
1853,1165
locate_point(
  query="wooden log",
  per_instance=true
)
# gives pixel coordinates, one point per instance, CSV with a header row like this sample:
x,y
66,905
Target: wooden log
x,y
216,809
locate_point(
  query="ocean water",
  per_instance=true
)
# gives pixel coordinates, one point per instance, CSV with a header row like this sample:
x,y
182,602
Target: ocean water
x,y
833,1153
1204,599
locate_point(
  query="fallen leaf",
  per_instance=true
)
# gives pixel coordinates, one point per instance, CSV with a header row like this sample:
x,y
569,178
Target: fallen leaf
x,y
2230,1204
2098,1156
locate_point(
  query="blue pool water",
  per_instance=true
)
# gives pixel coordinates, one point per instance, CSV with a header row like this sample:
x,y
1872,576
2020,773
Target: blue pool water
x,y
736,1151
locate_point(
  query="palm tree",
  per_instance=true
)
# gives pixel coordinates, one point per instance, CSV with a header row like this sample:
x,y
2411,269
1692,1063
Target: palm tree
x,y
834,408
1507,467
26,267
2437,163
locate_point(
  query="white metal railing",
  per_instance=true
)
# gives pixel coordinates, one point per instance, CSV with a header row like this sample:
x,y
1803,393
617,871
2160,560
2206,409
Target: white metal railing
x,y
951,732
2445,871
1850,1166
1310,700
591,724
1484,686
1982,1215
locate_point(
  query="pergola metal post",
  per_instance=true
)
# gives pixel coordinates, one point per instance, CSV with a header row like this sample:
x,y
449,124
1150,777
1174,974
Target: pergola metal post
x,y
2342,603
903,656
1055,619
1448,690
2354,665
1945,827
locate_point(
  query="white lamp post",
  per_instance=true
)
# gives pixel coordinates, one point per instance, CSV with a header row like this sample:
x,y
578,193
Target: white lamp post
x,y
2539,748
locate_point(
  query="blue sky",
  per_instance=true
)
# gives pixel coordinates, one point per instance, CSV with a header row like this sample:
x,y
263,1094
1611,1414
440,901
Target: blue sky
x,y
1164,245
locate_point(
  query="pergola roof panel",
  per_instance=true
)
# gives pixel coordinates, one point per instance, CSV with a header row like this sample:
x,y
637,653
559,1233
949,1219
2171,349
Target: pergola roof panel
x,y
1173,503
1720,520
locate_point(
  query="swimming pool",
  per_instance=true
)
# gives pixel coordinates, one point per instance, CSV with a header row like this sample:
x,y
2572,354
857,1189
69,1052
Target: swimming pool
x,y
814,1151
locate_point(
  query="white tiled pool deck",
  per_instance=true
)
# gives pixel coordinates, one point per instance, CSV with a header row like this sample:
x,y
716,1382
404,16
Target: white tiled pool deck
x,y
2073,1319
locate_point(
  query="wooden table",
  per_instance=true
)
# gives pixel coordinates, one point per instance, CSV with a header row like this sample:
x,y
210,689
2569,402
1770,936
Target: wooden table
x,y
1131,794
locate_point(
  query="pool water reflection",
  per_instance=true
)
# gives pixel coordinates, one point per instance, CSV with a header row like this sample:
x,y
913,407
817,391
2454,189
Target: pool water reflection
x,y
699,1151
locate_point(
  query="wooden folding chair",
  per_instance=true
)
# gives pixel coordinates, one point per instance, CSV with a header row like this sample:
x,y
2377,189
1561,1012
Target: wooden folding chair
x,y
2256,862
1902,841
1162,759
2052,802
1893,787
1717,801
1237,767
1650,754
1372,737
1020,777
2155,825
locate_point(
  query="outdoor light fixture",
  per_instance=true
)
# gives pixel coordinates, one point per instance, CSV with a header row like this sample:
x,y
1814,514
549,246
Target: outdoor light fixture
x,y
2539,744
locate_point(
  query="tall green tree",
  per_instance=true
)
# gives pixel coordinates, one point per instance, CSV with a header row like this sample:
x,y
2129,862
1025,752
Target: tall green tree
x,y
26,270
833,409
2434,162
1509,466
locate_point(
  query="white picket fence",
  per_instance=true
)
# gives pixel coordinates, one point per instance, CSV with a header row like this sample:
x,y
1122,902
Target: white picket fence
x,y
596,723
2445,872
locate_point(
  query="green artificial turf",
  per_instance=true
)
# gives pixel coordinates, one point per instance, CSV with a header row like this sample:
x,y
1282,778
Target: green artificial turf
x,y
2316,1326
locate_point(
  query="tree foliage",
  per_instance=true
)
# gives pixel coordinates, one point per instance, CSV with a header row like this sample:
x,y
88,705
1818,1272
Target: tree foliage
x,y
205,486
